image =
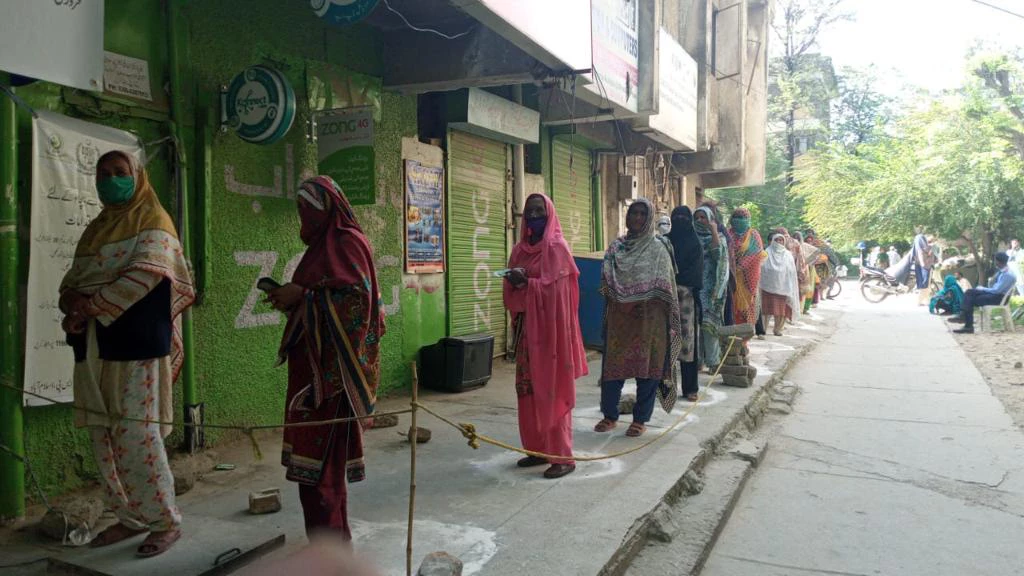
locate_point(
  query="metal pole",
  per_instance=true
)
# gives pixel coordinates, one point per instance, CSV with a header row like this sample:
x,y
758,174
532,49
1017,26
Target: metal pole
x,y
178,40
413,438
12,471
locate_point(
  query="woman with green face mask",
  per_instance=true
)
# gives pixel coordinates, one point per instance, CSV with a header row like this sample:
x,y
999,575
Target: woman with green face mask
x,y
122,297
747,255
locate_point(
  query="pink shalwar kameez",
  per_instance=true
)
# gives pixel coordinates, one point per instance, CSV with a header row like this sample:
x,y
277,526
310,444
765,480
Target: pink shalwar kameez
x,y
550,355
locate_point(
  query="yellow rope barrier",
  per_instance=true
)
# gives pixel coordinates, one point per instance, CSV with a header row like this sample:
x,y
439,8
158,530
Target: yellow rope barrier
x,y
467,429
474,438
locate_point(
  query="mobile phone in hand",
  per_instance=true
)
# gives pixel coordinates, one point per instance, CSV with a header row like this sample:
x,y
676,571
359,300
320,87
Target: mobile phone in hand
x,y
267,284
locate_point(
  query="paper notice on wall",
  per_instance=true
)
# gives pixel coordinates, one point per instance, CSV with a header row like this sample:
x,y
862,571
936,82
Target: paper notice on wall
x,y
126,76
64,201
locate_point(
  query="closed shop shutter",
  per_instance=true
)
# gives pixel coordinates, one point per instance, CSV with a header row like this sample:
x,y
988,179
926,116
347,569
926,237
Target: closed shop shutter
x,y
477,246
571,193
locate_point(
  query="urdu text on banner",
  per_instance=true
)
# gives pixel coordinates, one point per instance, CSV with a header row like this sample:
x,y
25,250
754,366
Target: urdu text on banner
x,y
64,201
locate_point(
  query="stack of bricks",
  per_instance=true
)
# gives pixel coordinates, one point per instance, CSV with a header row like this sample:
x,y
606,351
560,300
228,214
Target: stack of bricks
x,y
737,371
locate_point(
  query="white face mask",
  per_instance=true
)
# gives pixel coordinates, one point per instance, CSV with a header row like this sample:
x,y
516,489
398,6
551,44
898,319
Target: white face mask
x,y
664,227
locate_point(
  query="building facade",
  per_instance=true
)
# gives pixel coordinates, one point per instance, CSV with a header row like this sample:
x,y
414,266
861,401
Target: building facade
x,y
593,102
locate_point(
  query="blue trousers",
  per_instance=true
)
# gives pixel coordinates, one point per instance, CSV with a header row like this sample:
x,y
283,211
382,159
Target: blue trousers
x,y
646,394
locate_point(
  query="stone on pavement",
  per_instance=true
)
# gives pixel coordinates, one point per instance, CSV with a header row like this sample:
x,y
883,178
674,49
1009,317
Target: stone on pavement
x,y
74,518
440,564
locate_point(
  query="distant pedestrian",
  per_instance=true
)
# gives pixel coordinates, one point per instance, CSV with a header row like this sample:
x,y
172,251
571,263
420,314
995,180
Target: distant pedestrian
x,y
332,346
1016,255
642,331
779,284
689,255
123,296
809,254
1003,282
894,255
715,285
748,254
542,295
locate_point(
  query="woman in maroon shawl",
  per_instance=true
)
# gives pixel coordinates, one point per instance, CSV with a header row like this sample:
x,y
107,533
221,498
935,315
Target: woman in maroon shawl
x,y
331,344
542,294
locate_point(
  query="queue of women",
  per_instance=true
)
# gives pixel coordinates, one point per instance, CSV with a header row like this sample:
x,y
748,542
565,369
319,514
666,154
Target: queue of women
x,y
666,295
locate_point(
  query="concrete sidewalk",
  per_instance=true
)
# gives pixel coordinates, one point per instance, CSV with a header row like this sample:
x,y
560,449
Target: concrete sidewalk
x,y
475,504
897,460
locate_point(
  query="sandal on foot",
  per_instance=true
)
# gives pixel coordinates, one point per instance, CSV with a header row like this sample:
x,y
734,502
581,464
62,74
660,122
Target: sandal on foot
x,y
530,461
605,425
559,470
693,397
635,429
115,534
157,543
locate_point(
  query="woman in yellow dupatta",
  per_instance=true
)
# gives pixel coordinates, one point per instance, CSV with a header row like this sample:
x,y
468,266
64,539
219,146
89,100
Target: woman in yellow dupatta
x,y
123,297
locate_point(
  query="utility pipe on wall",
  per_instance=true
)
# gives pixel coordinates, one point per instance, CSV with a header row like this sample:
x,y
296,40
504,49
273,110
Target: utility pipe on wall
x,y
177,43
12,470
518,173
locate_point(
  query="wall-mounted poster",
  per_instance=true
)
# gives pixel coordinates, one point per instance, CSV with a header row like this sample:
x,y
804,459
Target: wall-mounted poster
x,y
424,218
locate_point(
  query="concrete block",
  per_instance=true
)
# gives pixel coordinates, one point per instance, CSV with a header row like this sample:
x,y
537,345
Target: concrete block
x,y
745,371
737,381
749,451
732,360
440,564
265,501
743,331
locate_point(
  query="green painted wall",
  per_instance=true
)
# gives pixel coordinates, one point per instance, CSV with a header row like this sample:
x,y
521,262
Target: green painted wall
x,y
252,236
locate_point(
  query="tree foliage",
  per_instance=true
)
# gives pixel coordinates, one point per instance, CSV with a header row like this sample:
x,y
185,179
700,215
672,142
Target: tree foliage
x,y
954,165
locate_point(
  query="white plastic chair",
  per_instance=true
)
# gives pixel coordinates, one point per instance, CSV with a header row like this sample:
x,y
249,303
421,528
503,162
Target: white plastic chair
x,y
1003,309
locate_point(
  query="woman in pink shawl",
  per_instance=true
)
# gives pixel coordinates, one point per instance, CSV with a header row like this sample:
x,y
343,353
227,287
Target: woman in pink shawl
x,y
542,294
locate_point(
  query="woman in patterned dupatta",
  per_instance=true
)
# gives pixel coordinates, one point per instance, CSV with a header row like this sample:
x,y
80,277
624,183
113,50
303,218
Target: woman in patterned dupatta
x,y
123,298
748,254
331,344
715,285
642,332
543,296
809,253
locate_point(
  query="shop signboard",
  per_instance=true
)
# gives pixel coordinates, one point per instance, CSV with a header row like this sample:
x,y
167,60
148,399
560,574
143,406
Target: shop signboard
x,y
616,52
259,105
675,124
58,41
344,139
555,32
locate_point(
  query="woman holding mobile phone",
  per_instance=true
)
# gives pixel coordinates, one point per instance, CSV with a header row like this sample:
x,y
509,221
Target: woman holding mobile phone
x,y
331,344
542,294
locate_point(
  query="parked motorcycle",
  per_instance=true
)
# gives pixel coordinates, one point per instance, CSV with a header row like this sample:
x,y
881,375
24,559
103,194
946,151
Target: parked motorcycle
x,y
877,284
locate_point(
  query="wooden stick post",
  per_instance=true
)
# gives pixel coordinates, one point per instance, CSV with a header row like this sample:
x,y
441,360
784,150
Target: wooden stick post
x,y
413,440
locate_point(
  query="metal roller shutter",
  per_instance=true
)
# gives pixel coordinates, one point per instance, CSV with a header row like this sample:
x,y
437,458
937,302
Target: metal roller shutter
x,y
571,193
477,246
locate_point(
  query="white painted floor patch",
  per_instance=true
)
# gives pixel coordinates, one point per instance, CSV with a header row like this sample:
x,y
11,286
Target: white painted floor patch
x,y
383,543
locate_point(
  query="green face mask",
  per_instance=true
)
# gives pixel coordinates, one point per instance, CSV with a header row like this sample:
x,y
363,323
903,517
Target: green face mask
x,y
116,189
741,225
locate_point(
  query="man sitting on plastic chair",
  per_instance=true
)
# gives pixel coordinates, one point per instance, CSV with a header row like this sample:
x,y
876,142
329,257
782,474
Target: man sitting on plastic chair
x,y
1004,282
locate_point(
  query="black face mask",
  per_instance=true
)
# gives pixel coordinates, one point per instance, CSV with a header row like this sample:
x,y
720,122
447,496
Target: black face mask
x,y
535,227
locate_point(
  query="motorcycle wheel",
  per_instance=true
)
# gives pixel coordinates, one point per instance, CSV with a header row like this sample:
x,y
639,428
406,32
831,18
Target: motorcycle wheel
x,y
874,290
835,289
